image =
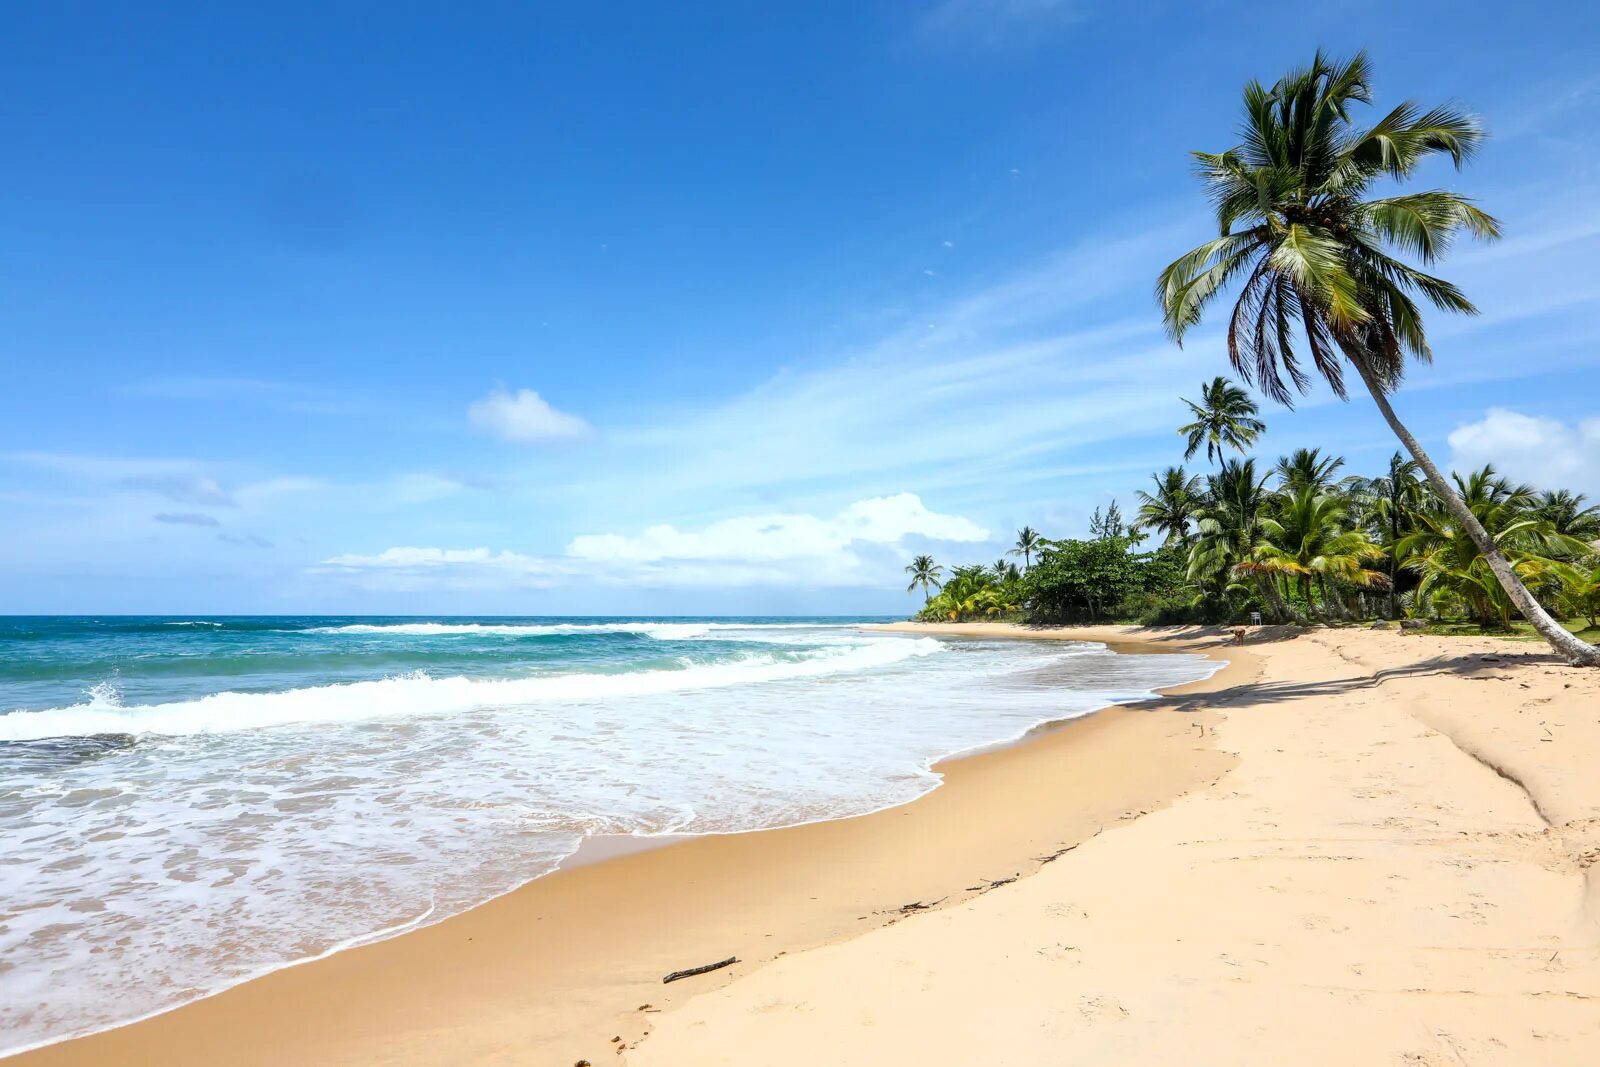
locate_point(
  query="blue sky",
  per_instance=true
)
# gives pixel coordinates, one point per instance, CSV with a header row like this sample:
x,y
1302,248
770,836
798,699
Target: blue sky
x,y
655,308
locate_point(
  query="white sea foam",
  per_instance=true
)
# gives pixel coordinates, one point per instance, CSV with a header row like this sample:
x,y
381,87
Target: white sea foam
x,y
417,694
141,875
664,631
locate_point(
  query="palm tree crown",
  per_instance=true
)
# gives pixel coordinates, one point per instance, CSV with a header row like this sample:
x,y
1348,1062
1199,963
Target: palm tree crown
x,y
1312,249
926,573
1307,468
1027,543
1173,506
1225,418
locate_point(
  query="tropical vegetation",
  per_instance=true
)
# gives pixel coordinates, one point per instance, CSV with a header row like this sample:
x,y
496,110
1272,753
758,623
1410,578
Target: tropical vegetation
x,y
1326,270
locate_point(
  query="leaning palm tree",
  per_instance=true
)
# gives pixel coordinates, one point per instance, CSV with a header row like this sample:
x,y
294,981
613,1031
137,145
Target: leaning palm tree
x,y
1225,418
1028,541
1173,506
924,572
1318,253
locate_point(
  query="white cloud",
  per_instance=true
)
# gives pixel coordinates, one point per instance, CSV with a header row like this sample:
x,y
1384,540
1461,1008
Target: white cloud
x,y
523,416
880,521
857,546
408,558
1547,452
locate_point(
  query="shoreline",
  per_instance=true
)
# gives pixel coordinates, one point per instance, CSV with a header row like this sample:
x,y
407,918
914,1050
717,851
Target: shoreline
x,y
383,999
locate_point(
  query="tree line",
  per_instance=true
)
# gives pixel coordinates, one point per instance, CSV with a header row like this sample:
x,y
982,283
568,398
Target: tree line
x,y
1297,541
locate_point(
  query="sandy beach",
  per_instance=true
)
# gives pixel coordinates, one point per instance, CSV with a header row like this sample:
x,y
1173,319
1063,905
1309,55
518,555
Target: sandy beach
x,y
1399,869
1348,846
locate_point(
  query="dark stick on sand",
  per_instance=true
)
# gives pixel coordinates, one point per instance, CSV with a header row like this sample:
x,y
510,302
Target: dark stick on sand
x,y
692,971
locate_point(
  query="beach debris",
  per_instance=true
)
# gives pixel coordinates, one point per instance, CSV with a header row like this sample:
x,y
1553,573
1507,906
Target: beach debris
x,y
917,905
614,1040
702,969
1057,854
993,883
583,1063
648,1007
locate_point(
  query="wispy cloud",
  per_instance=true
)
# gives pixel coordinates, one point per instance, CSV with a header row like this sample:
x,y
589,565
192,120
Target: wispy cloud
x,y
995,23
186,518
280,396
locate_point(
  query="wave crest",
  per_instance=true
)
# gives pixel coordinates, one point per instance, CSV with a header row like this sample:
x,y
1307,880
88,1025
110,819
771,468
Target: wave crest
x,y
418,694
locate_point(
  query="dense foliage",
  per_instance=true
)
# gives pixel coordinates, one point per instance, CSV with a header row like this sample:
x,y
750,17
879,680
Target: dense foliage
x,y
1294,543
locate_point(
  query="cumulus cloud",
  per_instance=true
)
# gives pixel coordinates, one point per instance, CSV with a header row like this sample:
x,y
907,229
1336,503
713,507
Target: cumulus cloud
x,y
1547,452
855,546
185,518
523,417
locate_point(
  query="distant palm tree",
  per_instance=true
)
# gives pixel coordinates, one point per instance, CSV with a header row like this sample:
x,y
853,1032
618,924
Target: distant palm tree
x,y
1307,468
1393,499
1309,541
1313,249
1173,506
1028,540
1231,523
924,572
1567,514
1225,418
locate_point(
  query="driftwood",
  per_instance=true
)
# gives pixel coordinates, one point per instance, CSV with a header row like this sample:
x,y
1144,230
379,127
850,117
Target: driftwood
x,y
692,971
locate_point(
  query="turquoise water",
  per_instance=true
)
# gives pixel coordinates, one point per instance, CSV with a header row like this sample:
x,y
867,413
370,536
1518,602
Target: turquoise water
x,y
188,802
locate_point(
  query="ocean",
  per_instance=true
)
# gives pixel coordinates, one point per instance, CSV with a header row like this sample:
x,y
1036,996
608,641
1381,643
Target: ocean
x,y
186,803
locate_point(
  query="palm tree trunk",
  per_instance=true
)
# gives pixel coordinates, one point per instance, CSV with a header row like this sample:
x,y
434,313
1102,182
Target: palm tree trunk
x,y
1394,563
1269,591
1576,652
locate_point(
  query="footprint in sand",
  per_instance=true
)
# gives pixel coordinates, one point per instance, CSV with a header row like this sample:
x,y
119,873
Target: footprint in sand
x,y
1101,1008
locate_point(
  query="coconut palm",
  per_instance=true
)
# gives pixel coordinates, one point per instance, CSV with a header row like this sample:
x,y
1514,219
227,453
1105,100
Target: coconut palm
x,y
1307,468
1225,418
1028,541
1173,506
1567,514
1229,527
1391,499
1450,560
1318,253
1581,582
1309,540
926,573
